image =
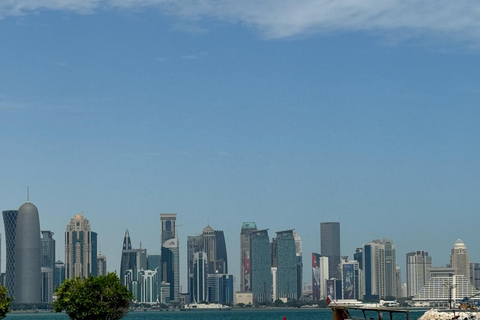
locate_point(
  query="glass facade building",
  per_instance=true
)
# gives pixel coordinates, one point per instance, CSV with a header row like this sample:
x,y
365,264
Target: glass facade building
x,y
260,266
10,224
170,266
286,265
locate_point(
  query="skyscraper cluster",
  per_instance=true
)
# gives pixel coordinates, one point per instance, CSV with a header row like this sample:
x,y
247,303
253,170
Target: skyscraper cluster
x,y
136,274
437,286
270,270
372,274
207,265
32,274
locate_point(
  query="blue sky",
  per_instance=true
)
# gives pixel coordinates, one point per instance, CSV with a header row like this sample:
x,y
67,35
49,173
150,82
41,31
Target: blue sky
x,y
283,113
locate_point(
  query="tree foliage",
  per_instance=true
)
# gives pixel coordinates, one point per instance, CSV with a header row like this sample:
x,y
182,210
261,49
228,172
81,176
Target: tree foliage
x,y
4,302
93,298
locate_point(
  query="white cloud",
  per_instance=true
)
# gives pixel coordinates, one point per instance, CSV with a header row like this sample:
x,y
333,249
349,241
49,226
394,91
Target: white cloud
x,y
21,7
283,18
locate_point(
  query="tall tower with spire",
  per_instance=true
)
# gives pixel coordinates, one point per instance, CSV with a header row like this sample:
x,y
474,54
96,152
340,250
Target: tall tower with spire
x,y
133,260
27,254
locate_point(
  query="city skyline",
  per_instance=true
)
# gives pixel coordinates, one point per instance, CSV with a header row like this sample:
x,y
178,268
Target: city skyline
x,y
286,115
306,267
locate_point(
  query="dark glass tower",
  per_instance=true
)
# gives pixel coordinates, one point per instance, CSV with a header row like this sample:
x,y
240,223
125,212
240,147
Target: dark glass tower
x,y
10,223
286,265
330,246
27,255
221,261
260,266
170,268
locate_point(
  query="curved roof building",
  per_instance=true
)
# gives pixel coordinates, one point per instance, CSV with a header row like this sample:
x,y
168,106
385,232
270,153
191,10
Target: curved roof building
x,y
27,255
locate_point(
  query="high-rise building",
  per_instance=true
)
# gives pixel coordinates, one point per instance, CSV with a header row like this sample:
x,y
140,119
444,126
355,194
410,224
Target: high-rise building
x,y
47,257
101,264
220,288
260,266
459,259
59,274
170,272
319,276
298,253
27,255
221,260
247,228
199,283
419,264
154,261
330,246
212,244
379,269
287,266
80,245
148,286
94,236
475,274
10,223
350,272
133,260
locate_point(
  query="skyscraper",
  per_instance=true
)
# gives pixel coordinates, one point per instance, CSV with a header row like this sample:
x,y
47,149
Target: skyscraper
x,y
10,223
475,274
132,261
199,280
459,259
247,228
80,244
27,255
286,265
59,274
379,269
319,276
330,246
350,278
419,264
47,263
101,264
299,253
212,244
260,266
170,272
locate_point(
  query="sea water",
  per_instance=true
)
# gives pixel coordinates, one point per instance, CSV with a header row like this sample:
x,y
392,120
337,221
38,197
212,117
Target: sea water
x,y
242,314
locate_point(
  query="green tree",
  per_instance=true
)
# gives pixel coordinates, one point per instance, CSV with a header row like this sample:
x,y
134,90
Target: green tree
x,y
4,302
93,298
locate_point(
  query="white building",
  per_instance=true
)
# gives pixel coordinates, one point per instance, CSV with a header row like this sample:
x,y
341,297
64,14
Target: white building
x,y
459,259
418,271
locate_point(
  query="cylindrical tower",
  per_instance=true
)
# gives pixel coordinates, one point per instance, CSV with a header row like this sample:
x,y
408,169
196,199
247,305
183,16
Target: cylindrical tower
x,y
27,255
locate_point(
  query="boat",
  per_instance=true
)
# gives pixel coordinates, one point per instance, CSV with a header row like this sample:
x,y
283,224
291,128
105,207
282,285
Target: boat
x,y
342,312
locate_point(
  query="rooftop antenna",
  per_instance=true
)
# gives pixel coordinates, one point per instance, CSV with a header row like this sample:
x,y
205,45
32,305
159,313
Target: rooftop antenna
x,y
28,194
